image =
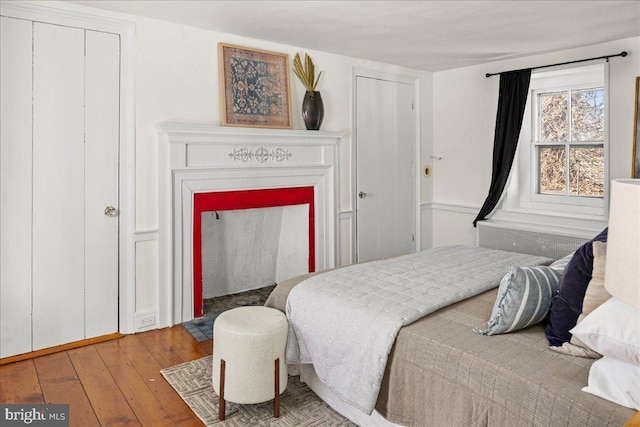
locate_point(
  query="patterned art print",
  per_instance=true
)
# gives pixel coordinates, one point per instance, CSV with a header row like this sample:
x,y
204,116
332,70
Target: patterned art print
x,y
255,87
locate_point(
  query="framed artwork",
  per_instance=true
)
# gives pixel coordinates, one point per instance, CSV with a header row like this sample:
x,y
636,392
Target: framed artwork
x,y
254,87
635,171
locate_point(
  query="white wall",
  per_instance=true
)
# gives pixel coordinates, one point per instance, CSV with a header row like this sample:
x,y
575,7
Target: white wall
x,y
177,81
465,103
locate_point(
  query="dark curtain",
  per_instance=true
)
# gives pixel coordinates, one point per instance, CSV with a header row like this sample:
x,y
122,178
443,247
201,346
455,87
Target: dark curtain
x,y
514,88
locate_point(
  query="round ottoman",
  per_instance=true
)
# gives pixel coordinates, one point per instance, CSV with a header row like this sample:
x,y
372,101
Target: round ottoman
x,y
248,356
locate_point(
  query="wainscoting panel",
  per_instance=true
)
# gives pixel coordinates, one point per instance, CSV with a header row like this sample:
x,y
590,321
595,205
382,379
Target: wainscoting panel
x,y
346,230
146,278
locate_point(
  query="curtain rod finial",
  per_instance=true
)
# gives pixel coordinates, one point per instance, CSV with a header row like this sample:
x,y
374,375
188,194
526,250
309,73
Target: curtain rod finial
x,y
623,53
487,75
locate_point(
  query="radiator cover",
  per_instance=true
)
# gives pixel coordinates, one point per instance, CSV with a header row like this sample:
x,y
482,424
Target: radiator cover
x,y
545,244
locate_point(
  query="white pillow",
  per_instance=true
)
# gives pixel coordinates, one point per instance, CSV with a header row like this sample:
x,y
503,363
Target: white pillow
x,y
616,381
613,329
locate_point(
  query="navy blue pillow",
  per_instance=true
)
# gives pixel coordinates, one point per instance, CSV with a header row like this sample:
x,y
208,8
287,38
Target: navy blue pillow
x,y
566,304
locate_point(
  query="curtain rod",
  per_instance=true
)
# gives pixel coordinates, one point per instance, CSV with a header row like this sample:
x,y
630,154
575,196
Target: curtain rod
x,y
622,54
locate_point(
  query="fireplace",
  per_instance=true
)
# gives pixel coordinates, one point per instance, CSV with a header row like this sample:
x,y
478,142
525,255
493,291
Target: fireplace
x,y
200,164
246,200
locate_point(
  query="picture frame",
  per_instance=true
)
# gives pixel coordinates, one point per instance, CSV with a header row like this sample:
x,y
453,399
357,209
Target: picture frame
x,y
254,87
635,167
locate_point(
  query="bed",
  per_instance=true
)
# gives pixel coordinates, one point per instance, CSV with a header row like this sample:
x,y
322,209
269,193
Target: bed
x,y
439,372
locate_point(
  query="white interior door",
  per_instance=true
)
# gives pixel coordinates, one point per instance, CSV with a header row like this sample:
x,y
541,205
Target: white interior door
x,y
385,222
61,146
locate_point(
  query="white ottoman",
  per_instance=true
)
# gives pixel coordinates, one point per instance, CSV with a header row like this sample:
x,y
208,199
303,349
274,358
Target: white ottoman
x,y
248,356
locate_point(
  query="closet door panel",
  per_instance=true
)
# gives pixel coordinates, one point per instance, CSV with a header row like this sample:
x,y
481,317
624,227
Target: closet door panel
x,y
385,213
15,186
101,182
58,185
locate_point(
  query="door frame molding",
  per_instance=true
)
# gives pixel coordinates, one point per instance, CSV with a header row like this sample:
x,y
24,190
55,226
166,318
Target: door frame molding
x,y
126,167
397,78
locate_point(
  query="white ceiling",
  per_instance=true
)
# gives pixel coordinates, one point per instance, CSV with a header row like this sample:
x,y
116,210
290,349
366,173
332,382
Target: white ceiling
x,y
426,35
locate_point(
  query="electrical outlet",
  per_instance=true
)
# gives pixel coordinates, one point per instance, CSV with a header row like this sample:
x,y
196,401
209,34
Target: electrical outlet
x,y
145,320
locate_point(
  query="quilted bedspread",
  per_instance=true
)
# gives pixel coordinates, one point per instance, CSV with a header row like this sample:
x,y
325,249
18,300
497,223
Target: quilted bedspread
x,y
345,321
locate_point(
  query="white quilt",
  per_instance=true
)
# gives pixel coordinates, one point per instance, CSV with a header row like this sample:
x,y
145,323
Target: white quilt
x,y
345,321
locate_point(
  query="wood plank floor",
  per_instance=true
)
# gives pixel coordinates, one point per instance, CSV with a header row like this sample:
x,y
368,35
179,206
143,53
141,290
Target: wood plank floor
x,y
113,383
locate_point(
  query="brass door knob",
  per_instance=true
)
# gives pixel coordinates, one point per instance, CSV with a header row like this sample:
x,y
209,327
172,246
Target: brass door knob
x,y
362,194
110,211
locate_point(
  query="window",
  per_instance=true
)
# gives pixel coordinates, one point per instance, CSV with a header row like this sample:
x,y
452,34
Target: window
x,y
561,164
569,142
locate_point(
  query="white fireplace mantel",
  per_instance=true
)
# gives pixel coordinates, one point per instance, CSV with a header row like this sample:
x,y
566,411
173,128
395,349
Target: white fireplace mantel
x,y
196,159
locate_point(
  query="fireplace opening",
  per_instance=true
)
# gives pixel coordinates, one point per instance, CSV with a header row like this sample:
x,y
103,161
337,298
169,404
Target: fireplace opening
x,y
246,249
250,239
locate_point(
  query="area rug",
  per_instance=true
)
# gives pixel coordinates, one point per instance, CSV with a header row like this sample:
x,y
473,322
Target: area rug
x,y
299,406
202,327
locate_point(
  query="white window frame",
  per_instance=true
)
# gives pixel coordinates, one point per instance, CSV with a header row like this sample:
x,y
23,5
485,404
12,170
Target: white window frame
x,y
522,194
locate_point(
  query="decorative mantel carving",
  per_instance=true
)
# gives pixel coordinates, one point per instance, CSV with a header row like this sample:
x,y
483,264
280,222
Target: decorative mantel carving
x,y
198,159
261,155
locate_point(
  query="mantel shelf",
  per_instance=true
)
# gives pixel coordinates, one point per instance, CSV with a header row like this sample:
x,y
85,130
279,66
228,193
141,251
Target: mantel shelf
x,y
206,134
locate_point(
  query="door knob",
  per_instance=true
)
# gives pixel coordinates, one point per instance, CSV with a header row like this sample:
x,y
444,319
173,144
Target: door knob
x,y
110,211
362,194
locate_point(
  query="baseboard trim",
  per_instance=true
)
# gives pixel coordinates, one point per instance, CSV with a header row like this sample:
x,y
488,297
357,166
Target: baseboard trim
x,y
59,348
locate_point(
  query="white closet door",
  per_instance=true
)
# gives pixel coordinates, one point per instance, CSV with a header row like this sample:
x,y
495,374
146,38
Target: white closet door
x,y
58,185
60,139
75,163
101,182
385,221
15,186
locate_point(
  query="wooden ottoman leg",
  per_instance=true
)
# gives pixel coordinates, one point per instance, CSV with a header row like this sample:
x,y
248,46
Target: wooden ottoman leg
x,y
221,408
276,400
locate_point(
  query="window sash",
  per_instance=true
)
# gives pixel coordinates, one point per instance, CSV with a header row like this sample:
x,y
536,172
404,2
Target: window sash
x,y
567,92
537,143
566,147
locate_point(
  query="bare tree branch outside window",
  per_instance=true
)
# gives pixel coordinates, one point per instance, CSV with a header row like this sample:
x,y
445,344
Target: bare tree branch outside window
x,y
571,123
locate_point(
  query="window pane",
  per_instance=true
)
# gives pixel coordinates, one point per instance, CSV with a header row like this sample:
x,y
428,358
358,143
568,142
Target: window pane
x,y
554,126
587,115
586,171
551,162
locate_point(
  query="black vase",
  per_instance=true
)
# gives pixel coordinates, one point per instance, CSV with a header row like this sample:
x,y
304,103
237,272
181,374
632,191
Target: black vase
x,y
312,110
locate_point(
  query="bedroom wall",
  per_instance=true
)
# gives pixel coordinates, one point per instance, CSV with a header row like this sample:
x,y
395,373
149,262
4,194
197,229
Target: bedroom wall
x,y
177,82
465,103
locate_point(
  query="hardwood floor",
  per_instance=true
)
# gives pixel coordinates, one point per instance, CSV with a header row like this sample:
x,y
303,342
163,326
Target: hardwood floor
x,y
112,383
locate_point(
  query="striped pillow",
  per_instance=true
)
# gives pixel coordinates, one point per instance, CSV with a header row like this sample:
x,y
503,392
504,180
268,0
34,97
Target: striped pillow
x,y
561,264
524,298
